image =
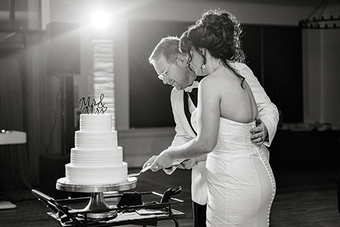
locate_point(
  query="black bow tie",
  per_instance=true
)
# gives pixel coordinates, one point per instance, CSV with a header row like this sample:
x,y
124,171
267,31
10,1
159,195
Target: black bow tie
x,y
199,78
192,90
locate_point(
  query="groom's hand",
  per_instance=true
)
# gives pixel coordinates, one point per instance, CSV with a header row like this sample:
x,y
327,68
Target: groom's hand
x,y
259,134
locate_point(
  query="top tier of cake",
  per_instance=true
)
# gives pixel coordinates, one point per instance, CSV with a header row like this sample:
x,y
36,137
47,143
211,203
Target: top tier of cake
x,y
95,122
95,132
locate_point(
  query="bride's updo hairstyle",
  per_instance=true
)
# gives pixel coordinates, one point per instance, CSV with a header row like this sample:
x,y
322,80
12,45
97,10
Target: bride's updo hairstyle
x,y
219,32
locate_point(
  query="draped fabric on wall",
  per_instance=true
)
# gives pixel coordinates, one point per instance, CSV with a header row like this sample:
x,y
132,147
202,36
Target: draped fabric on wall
x,y
13,158
103,75
42,110
30,101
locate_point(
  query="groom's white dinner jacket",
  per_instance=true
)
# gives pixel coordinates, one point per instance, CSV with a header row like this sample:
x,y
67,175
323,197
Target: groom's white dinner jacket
x,y
267,112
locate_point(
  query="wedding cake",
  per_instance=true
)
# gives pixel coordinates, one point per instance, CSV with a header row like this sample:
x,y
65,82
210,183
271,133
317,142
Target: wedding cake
x,y
96,158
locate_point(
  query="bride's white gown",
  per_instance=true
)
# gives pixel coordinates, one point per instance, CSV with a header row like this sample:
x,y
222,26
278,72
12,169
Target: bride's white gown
x,y
241,184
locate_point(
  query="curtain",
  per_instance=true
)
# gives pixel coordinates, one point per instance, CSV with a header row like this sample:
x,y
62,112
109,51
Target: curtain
x,y
30,101
13,158
42,109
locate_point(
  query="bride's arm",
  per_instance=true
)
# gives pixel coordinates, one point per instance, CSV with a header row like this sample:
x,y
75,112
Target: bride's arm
x,y
208,120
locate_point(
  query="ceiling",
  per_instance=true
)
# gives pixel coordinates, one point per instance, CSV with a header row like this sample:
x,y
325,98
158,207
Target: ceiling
x,y
312,3
19,8
22,5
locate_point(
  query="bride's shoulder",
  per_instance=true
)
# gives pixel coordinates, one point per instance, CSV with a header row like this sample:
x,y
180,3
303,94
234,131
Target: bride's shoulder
x,y
216,81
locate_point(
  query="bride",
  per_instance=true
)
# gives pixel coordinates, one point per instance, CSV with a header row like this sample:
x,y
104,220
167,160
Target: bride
x,y
241,185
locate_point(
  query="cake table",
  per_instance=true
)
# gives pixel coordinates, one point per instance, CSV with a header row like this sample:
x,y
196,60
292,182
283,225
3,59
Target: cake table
x,y
146,211
97,207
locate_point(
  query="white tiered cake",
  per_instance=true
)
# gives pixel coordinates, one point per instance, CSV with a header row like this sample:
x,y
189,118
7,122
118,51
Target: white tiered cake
x,y
96,158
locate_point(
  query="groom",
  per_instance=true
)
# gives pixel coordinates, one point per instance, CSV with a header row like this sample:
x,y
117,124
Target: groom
x,y
172,68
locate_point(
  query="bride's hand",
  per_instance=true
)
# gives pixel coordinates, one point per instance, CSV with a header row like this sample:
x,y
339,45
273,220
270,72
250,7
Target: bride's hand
x,y
163,161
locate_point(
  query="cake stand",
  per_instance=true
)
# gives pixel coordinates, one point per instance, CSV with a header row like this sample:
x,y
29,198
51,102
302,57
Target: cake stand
x,y
97,204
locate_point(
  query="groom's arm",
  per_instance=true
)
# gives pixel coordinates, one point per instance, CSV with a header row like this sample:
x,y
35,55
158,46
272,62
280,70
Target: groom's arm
x,y
267,111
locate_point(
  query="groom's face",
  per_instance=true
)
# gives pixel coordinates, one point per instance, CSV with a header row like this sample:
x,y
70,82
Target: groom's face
x,y
174,74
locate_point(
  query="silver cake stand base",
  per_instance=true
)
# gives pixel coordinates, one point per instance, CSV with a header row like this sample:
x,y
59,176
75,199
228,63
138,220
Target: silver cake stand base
x,y
97,202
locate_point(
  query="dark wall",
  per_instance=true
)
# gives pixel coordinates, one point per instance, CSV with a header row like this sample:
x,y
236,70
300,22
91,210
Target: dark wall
x,y
301,150
149,97
274,53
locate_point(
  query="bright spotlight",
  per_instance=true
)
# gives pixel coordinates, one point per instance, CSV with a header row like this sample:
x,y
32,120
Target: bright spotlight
x,y
100,19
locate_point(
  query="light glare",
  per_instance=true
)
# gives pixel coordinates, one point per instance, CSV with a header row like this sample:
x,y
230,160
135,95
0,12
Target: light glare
x,y
100,19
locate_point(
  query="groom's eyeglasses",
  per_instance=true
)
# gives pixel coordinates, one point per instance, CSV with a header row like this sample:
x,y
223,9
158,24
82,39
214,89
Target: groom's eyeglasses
x,y
163,75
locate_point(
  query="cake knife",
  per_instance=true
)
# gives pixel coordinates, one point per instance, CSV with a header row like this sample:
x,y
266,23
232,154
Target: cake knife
x,y
140,172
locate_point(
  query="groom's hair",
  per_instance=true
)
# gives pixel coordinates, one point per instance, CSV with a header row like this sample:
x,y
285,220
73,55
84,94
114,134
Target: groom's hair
x,y
167,47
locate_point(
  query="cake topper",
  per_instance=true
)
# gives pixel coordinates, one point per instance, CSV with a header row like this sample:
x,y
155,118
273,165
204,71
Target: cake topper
x,y
88,107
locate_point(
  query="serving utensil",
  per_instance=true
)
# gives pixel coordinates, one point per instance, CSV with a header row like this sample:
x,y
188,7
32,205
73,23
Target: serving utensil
x,y
140,172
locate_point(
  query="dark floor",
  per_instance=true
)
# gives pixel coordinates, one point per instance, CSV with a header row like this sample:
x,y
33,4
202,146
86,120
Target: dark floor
x,y
303,199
